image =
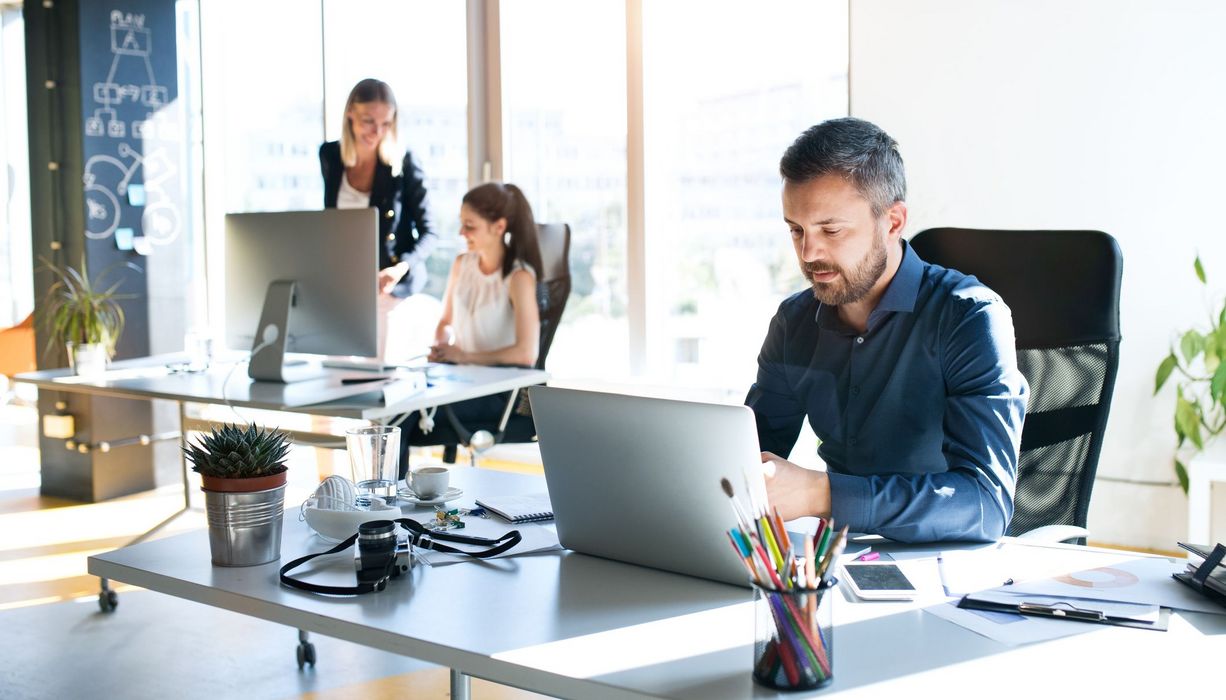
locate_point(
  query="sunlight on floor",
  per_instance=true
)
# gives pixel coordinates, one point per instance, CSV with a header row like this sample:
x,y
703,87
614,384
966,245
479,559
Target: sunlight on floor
x,y
45,541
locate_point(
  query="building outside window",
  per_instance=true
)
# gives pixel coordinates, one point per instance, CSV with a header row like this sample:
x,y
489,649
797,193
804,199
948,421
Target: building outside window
x,y
564,140
725,91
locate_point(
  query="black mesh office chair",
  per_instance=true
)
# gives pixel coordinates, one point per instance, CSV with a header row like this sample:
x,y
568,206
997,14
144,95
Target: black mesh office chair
x,y
1063,288
552,291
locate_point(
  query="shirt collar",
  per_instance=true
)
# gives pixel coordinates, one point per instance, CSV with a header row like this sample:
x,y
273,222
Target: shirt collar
x,y
900,295
904,288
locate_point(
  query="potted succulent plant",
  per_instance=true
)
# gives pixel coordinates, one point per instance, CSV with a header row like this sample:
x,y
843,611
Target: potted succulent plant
x,y
243,473
1200,393
82,315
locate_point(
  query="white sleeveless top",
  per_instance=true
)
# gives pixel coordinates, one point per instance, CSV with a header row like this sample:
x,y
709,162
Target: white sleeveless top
x,y
481,312
349,197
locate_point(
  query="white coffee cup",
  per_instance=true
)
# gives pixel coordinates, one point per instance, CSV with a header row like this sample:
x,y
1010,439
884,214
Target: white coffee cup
x,y
429,482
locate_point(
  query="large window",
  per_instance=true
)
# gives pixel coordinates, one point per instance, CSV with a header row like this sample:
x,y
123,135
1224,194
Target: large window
x,y
564,141
263,87
273,96
724,94
419,49
16,263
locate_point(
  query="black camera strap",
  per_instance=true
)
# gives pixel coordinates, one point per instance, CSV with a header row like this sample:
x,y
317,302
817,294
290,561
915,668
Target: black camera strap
x,y
419,536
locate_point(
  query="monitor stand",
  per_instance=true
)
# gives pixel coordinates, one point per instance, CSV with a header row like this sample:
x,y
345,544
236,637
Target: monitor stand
x,y
268,363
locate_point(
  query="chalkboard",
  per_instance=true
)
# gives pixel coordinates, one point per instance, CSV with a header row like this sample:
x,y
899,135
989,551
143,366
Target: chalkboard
x,y
132,140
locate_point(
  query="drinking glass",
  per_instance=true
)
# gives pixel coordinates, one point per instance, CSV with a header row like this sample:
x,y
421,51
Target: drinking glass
x,y
374,459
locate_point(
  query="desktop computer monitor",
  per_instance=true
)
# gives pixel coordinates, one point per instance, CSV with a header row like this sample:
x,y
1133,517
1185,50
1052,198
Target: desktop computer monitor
x,y
302,282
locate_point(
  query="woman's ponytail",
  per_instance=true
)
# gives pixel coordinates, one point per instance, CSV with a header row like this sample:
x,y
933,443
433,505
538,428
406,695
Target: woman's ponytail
x,y
523,245
494,201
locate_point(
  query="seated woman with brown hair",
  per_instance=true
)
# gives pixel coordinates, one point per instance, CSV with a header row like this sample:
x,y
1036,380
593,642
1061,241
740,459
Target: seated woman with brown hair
x,y
490,314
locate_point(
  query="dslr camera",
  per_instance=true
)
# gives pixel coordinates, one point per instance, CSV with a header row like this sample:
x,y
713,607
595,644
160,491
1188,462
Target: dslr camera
x,y
380,556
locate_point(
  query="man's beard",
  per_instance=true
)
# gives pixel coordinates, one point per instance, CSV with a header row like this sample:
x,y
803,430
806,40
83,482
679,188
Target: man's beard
x,y
848,288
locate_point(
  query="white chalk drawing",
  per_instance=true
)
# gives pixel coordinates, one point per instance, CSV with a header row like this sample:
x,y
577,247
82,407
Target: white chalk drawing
x,y
160,220
129,38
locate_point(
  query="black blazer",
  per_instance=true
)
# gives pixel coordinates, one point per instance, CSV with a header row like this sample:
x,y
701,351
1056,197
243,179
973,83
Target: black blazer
x,y
405,233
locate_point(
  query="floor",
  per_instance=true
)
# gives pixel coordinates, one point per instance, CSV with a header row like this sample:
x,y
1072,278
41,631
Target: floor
x,y
56,643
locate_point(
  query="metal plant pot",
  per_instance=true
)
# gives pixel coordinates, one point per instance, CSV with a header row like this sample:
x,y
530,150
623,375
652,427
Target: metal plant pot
x,y
245,526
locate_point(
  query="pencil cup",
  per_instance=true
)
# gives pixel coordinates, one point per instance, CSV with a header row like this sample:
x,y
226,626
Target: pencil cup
x,y
793,637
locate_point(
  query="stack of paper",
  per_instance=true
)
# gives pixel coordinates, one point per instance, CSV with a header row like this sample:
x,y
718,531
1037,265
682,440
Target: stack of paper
x,y
1105,588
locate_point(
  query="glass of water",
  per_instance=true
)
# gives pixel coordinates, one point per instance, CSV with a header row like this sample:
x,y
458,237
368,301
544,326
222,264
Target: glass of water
x,y
374,459
198,344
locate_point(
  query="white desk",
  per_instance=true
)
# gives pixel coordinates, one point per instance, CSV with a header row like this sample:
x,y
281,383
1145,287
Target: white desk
x,y
148,378
575,626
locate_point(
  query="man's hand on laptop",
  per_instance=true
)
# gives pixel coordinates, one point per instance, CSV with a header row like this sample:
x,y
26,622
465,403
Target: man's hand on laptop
x,y
794,490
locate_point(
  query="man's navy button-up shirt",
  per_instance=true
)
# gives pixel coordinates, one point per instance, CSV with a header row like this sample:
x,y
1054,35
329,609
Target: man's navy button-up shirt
x,y
919,417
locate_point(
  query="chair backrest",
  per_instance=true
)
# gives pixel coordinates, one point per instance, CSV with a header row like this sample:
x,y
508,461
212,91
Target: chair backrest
x,y
17,350
553,288
1063,288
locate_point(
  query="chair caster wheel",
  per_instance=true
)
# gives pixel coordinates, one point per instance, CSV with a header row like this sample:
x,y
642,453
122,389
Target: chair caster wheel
x,y
108,600
306,655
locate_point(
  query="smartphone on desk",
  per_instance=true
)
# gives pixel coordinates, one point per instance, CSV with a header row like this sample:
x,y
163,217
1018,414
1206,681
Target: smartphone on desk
x,y
878,580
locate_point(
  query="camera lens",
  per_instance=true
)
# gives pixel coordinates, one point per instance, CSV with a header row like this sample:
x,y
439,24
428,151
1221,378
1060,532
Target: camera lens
x,y
376,550
373,530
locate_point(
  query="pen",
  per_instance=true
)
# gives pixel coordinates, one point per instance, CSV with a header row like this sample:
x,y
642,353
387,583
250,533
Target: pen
x,y
745,560
362,380
835,550
825,541
817,534
770,570
810,565
871,556
772,547
785,541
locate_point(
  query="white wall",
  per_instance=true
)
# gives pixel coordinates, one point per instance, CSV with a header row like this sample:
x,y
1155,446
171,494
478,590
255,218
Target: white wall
x,y
1099,114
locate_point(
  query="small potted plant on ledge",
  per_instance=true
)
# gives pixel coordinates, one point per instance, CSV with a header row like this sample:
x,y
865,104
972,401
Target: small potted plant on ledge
x,y
243,473
83,316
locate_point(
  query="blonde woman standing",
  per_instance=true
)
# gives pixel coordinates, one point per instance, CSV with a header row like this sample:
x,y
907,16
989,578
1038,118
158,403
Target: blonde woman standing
x,y
366,169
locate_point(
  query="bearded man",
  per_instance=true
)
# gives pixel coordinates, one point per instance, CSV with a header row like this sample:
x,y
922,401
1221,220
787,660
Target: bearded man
x,y
906,371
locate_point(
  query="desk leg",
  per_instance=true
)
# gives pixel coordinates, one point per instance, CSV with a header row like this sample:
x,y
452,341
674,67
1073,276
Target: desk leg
x,y
187,491
108,599
459,685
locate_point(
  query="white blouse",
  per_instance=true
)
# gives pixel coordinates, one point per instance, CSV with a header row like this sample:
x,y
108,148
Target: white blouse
x,y
481,312
349,197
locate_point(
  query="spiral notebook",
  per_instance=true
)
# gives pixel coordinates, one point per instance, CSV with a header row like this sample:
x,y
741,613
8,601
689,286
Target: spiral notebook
x,y
519,509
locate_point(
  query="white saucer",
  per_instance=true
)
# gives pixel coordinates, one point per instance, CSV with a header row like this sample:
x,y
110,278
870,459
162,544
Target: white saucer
x,y
408,496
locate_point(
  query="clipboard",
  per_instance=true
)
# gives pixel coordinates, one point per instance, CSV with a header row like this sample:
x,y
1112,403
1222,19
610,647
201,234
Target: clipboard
x,y
1074,610
1209,578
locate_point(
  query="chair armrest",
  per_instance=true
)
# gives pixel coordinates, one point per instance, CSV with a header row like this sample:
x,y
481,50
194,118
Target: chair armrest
x,y
1055,533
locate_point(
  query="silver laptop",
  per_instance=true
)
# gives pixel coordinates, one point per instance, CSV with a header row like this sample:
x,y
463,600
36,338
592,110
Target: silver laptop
x,y
638,479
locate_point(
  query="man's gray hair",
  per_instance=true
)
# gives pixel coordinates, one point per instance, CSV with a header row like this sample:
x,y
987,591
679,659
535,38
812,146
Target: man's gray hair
x,y
858,150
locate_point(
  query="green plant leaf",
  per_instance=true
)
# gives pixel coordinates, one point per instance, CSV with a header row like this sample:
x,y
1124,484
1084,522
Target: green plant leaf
x,y
1181,472
1200,270
1164,371
1191,345
1212,352
1217,385
1187,421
